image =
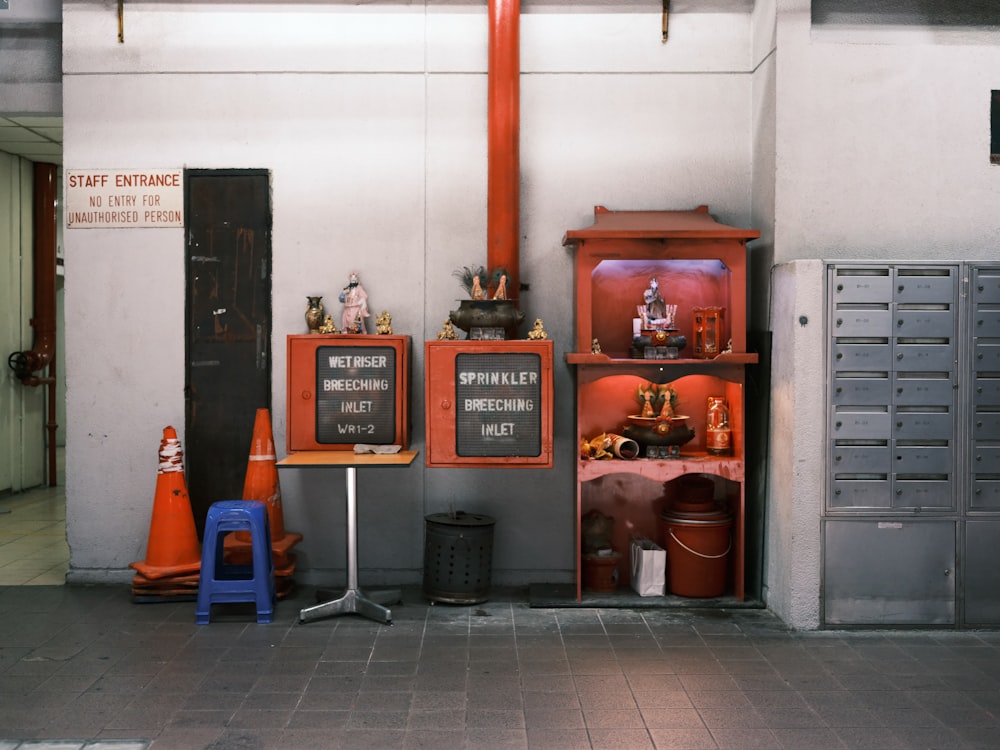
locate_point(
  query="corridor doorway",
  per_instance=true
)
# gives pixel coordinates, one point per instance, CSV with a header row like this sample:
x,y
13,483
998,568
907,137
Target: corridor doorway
x,y
228,327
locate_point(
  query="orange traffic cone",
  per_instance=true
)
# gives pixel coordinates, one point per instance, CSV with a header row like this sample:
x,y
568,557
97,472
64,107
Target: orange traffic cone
x,y
261,481
173,547
261,484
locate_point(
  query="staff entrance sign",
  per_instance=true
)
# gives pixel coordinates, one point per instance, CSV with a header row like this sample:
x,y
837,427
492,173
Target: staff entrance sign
x,y
124,198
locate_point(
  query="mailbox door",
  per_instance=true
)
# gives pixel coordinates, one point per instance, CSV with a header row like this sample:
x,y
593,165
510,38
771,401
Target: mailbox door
x,y
889,572
982,572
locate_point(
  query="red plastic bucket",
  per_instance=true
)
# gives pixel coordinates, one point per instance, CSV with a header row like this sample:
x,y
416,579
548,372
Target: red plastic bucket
x,y
600,572
698,547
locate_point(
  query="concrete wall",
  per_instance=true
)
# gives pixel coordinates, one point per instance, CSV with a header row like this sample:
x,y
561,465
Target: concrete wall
x,y
377,152
796,460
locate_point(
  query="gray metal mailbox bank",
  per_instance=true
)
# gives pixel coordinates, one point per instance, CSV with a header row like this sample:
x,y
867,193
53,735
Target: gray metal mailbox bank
x,y
911,522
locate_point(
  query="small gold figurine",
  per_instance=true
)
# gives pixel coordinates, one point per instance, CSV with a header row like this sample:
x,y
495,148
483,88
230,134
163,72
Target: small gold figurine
x,y
328,325
447,332
595,347
537,332
383,323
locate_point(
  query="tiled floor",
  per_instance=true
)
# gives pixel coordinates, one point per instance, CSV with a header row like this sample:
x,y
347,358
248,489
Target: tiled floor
x,y
33,549
87,665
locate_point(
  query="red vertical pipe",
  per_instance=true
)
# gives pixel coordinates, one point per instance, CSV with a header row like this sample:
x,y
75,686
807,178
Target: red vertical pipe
x,y
503,200
43,353
51,424
44,226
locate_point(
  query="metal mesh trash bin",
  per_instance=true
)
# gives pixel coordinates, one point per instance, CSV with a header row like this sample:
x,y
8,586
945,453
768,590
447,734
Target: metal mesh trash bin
x,y
458,557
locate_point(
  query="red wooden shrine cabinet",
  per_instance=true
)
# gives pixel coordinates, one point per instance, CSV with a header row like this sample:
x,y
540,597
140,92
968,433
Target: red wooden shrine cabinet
x,y
699,264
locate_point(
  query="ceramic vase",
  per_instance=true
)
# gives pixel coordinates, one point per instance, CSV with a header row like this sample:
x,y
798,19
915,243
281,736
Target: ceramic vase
x,y
314,314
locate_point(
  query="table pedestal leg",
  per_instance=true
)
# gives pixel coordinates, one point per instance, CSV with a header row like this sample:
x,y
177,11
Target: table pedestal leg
x,y
353,601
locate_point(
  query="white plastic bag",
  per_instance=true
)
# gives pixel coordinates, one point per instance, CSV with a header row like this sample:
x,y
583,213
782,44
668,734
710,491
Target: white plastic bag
x,y
649,568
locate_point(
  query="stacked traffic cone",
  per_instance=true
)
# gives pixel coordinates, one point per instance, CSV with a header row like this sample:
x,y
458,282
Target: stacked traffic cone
x,y
261,484
172,566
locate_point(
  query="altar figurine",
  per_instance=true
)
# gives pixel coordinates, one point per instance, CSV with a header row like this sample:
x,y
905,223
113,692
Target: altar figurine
x,y
472,279
668,395
477,289
501,292
656,308
646,397
355,300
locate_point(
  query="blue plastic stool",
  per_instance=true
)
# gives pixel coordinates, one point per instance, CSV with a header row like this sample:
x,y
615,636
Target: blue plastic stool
x,y
224,583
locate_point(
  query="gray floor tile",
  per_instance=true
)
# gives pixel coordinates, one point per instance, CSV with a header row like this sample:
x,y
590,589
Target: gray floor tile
x,y
697,738
809,738
751,738
555,739
871,738
620,739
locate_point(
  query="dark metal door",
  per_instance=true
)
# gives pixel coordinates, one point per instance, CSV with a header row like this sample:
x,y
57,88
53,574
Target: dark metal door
x,y
228,324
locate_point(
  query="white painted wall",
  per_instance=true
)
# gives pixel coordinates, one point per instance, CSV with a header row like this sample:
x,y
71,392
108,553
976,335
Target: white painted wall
x,y
762,133
884,142
377,150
